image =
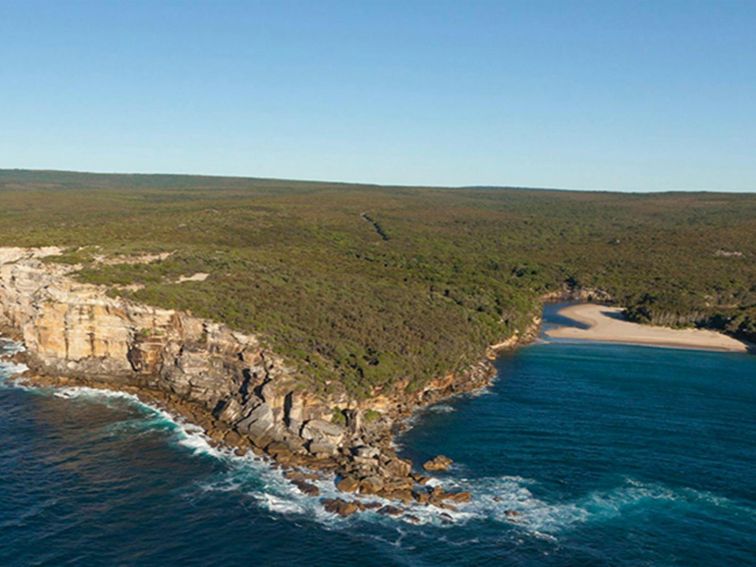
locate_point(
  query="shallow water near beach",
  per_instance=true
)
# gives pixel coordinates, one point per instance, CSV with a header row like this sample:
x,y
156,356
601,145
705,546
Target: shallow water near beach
x,y
578,454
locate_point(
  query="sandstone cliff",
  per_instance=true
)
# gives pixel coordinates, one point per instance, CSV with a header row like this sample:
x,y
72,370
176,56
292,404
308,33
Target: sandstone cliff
x,y
73,329
239,391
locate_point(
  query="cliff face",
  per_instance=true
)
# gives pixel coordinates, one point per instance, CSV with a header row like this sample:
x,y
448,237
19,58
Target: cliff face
x,y
76,330
241,393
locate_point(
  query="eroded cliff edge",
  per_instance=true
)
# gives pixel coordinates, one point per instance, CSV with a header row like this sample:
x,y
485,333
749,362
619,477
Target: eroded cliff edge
x,y
240,392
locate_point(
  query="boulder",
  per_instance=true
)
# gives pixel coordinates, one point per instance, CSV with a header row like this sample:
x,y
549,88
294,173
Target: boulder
x,y
398,467
262,413
371,485
259,424
271,396
403,483
323,448
215,434
368,465
390,511
323,431
300,475
340,507
232,439
439,463
295,443
365,452
459,496
306,487
322,464
278,449
231,412
348,484
402,495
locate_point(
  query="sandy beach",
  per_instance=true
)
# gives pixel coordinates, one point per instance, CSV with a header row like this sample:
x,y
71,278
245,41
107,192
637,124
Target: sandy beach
x,y
608,324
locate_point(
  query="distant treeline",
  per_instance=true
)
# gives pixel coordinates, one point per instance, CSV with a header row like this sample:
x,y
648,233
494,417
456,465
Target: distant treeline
x,y
449,272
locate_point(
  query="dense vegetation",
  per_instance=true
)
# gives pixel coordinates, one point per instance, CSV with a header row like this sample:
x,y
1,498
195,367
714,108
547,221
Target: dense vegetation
x,y
363,285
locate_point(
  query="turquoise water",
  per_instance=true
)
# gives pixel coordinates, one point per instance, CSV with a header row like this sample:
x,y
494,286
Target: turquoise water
x,y
579,454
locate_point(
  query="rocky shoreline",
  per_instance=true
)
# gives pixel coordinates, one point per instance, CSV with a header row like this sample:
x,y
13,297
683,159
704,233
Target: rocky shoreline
x,y
241,394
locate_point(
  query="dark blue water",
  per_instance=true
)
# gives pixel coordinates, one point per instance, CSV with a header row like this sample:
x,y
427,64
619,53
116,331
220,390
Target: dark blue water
x,y
609,455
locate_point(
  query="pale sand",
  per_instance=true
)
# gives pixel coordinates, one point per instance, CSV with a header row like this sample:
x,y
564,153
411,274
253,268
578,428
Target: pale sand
x,y
607,324
198,277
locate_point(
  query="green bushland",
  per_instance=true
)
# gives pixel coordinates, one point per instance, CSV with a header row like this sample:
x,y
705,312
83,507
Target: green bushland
x,y
451,270
371,415
338,417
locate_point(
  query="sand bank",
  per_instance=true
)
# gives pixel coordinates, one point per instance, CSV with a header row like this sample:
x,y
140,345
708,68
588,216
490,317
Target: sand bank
x,y
608,324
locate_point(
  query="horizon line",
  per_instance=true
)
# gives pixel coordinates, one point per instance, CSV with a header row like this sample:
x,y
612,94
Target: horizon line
x,y
373,184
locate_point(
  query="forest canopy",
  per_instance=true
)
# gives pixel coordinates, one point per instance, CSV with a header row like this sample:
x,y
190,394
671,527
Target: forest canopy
x,y
365,285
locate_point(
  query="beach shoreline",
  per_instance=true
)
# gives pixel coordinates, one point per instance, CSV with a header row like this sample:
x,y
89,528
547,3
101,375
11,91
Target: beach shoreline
x,y
607,324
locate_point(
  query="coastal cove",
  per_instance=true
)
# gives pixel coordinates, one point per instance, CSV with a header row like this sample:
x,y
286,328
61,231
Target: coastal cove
x,y
594,322
577,453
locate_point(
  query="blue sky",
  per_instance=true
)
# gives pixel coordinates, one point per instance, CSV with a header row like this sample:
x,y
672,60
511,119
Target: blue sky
x,y
657,95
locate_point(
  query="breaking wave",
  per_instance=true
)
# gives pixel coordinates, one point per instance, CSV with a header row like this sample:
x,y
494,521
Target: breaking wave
x,y
8,368
441,408
511,499
249,475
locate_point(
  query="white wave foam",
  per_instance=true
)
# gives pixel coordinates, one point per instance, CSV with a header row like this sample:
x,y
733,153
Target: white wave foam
x,y
507,499
480,392
188,435
252,476
270,489
74,392
510,500
247,474
441,408
9,369
12,368
7,349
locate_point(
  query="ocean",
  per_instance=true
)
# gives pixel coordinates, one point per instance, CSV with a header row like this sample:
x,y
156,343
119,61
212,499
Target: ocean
x,y
578,454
